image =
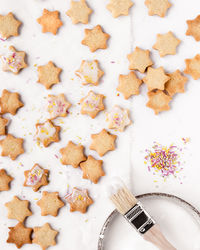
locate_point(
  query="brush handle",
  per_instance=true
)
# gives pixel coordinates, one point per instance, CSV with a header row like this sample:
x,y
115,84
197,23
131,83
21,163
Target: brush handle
x,y
155,236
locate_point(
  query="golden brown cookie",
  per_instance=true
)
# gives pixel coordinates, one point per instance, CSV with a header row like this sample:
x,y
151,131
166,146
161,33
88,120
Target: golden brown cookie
x,y
57,106
18,209
9,26
13,60
3,124
44,236
89,72
95,38
194,28
48,75
47,133
103,142
79,12
176,83
193,67
158,101
50,203
119,7
92,104
72,154
79,200
20,235
166,44
12,146
36,177
139,59
157,7
10,102
5,180
92,169
129,85
50,21
156,78
118,118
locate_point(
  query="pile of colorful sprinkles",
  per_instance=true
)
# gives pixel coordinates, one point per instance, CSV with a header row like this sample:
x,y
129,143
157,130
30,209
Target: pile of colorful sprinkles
x,y
163,160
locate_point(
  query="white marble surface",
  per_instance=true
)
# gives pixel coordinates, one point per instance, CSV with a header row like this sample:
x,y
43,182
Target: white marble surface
x,y
79,231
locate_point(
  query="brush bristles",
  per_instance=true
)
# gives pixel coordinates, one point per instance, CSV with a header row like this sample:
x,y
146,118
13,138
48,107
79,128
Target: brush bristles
x,y
124,200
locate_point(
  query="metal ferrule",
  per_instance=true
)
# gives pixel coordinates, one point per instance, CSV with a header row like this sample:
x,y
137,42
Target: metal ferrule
x,y
139,218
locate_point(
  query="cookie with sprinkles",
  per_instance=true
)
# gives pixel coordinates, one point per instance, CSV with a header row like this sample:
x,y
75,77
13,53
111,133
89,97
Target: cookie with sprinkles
x,y
158,101
156,78
92,104
118,118
9,26
48,75
18,209
5,180
57,106
157,7
139,60
3,124
89,72
79,12
193,67
95,38
194,28
13,60
92,169
72,154
103,142
50,21
47,133
129,85
79,200
36,177
119,7
44,236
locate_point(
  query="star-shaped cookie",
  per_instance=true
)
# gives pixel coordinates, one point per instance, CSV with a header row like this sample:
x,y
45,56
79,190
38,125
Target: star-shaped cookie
x,y
18,209
13,60
158,7
12,146
193,67
89,72
50,21
48,74
139,59
92,104
79,12
166,44
156,78
9,26
95,38
158,101
5,180
92,169
47,133
194,28
57,106
3,124
36,177
44,236
19,235
129,85
72,154
118,118
119,7
103,142
10,102
50,203
79,200
176,83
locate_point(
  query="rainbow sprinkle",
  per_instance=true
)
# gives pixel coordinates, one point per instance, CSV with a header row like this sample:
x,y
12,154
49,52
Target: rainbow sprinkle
x,y
163,160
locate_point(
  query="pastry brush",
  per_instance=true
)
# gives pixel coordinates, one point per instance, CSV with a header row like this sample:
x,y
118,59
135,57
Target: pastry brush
x,y
134,212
